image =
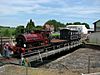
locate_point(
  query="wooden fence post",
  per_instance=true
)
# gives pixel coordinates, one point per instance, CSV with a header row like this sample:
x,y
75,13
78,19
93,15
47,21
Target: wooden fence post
x,y
88,64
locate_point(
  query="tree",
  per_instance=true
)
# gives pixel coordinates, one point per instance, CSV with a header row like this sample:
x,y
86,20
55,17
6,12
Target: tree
x,y
55,24
1,33
77,23
86,25
30,26
7,33
68,23
19,30
38,28
13,33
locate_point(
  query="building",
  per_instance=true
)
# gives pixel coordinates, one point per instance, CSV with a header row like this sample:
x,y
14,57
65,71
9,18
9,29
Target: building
x,y
97,26
49,27
91,30
80,28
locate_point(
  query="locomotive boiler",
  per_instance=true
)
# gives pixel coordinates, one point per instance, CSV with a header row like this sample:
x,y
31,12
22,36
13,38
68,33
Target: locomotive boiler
x,y
33,39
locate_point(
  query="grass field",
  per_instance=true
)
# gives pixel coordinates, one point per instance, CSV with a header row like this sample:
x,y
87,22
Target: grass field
x,y
10,29
3,31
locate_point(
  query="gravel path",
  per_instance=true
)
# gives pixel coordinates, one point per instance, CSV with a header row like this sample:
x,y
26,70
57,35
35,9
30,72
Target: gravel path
x,y
19,70
78,61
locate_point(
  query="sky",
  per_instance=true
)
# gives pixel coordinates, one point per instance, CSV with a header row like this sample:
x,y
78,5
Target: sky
x,y
19,12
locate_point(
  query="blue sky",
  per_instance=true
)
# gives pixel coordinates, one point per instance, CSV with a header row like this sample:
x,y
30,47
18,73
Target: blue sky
x,y
18,12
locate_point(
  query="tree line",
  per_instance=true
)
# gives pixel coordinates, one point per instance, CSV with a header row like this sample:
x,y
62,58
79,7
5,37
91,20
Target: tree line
x,y
7,31
79,23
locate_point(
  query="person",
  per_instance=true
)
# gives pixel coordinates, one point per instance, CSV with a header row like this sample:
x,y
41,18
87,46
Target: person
x,y
6,50
0,55
23,61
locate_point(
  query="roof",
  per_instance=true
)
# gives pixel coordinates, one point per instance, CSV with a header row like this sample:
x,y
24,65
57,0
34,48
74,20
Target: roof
x,y
96,21
76,25
91,29
67,29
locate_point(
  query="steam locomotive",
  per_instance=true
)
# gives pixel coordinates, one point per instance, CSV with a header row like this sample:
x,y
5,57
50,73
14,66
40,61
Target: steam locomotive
x,y
33,39
40,38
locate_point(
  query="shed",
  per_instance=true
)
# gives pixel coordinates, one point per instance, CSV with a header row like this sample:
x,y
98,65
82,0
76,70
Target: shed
x,y
97,26
80,28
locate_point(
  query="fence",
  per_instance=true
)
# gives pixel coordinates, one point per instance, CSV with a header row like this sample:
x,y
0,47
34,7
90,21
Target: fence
x,y
5,40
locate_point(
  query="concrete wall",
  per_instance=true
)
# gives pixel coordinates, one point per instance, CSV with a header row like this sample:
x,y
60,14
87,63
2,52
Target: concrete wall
x,y
94,38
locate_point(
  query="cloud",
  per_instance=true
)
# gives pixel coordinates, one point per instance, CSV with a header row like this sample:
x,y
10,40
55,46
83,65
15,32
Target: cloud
x,y
50,9
35,6
16,6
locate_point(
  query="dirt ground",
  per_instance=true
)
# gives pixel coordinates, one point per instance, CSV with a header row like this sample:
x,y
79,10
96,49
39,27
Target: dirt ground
x,y
83,60
19,70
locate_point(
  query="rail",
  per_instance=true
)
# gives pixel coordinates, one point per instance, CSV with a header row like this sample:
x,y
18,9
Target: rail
x,y
6,39
42,49
48,53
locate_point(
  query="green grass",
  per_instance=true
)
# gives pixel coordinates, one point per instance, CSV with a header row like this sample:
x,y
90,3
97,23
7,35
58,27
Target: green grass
x,y
11,31
55,34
